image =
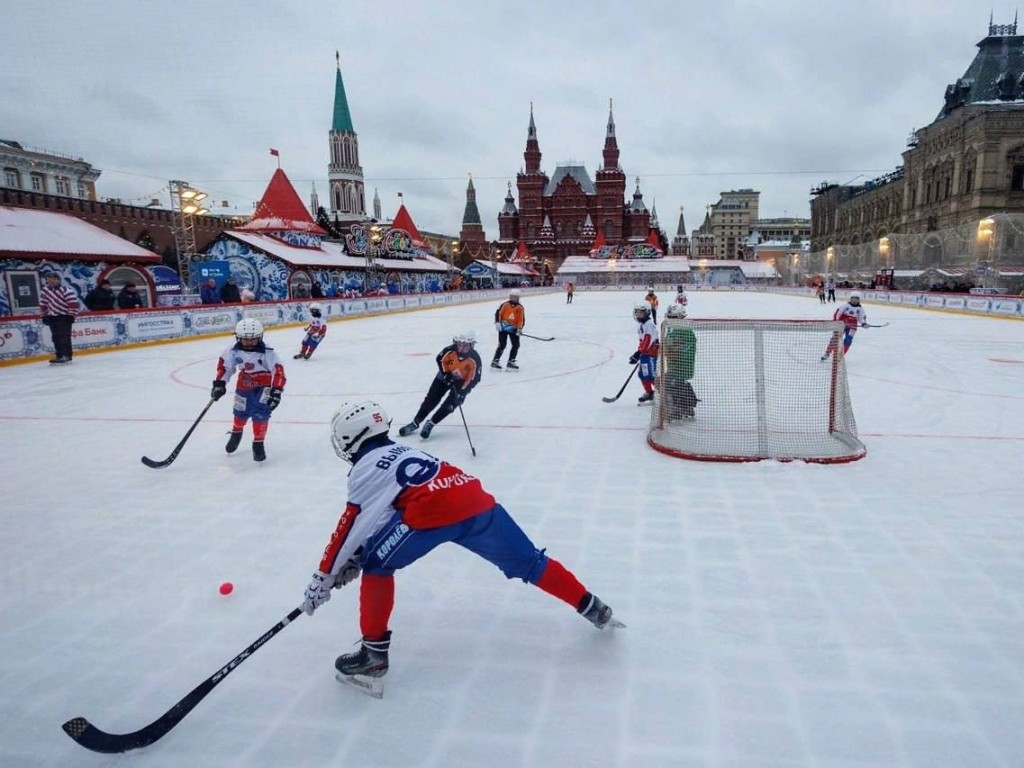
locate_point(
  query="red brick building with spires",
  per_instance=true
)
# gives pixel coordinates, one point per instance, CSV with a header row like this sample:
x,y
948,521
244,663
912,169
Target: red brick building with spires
x,y
560,215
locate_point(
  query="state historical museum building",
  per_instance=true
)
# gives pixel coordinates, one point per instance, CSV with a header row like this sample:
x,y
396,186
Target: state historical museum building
x,y
562,215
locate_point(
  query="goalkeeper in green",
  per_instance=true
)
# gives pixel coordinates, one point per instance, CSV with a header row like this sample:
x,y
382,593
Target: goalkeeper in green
x,y
678,353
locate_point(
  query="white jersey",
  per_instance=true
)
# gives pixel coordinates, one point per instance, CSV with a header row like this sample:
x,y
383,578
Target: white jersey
x,y
259,367
681,298
647,332
850,315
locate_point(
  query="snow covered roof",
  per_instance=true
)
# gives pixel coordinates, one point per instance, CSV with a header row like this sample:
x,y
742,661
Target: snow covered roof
x,y
757,269
577,265
520,269
332,255
30,234
281,209
577,172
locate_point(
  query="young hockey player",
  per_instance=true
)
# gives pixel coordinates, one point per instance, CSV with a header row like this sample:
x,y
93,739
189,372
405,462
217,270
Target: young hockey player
x,y
681,295
647,350
851,314
458,371
509,319
570,289
402,503
260,384
652,301
315,332
678,354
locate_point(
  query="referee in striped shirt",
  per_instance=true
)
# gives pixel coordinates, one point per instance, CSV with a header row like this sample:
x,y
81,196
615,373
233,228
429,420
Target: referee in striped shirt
x,y
58,306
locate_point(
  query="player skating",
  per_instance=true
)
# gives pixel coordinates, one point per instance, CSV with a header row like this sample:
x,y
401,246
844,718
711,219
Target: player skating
x,y
647,349
852,315
315,332
652,301
260,384
402,503
678,354
509,319
681,297
458,371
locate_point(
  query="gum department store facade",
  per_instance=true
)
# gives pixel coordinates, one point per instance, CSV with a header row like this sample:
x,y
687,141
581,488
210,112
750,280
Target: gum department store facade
x,y
953,213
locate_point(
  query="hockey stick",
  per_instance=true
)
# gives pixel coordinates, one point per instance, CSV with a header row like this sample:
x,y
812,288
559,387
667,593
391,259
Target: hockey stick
x,y
177,449
538,338
869,325
624,385
466,426
91,737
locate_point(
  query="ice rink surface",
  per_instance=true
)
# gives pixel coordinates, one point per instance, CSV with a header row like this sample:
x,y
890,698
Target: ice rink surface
x,y
867,614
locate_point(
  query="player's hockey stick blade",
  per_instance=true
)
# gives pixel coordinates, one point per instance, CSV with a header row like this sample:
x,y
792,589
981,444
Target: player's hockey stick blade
x,y
869,325
624,385
371,686
91,737
538,338
614,624
177,449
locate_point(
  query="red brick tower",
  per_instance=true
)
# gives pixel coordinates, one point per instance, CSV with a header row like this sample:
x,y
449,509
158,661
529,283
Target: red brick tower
x,y
611,187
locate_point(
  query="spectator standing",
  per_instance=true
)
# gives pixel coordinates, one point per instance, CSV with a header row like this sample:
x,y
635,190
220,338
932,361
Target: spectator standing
x,y
58,306
101,298
129,297
229,292
209,294
316,292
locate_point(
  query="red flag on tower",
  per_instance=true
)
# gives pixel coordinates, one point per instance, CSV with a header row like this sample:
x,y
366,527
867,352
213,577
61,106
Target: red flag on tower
x,y
274,152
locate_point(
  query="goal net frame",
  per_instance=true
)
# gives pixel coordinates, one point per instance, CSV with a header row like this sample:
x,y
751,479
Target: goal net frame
x,y
760,390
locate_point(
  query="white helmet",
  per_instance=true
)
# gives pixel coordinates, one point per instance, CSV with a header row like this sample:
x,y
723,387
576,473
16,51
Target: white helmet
x,y
467,337
515,292
855,295
355,423
249,328
314,307
676,310
641,307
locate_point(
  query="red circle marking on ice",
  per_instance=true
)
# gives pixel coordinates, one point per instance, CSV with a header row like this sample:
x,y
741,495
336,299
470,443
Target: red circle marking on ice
x,y
1006,360
227,588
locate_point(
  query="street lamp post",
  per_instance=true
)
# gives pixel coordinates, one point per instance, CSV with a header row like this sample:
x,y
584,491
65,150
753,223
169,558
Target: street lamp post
x,y
371,253
453,254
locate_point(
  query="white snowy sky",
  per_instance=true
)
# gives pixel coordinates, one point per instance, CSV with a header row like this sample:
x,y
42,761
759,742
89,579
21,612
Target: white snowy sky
x,y
708,97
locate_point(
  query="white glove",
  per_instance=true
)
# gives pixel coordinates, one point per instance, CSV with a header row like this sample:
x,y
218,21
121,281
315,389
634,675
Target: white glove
x,y
318,592
497,326
349,572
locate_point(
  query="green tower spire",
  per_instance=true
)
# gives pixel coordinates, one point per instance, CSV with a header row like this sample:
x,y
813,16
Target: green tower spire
x,y
342,117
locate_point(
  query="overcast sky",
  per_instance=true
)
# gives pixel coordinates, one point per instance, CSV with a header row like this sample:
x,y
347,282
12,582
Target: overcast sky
x,y
773,95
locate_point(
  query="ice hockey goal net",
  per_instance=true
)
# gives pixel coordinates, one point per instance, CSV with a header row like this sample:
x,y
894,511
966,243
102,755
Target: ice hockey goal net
x,y
745,390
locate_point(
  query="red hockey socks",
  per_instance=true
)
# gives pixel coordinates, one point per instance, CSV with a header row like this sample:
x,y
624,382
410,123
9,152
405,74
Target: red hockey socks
x,y
559,581
648,386
259,430
376,599
239,424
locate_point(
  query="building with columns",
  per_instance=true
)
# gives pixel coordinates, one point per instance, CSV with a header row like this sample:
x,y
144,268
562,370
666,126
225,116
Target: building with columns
x,y
560,215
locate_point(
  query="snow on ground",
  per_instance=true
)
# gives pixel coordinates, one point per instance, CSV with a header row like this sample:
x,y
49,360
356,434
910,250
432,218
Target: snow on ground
x,y
869,614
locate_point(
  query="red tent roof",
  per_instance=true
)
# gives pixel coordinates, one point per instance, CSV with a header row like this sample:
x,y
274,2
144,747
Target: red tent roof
x,y
521,254
599,241
652,238
404,221
281,209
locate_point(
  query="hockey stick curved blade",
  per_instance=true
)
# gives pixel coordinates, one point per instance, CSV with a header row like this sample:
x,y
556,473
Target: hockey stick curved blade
x,y
538,338
869,325
177,449
624,385
92,738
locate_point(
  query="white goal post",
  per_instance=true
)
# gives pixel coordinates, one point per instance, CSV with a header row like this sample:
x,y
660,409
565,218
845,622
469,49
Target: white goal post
x,y
746,390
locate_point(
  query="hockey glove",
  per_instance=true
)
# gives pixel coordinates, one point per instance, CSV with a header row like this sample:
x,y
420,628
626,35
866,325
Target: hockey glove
x,y
220,389
497,327
458,396
349,572
318,592
634,358
274,399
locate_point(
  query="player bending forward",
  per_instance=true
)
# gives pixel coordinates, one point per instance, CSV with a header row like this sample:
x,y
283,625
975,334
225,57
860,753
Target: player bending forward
x,y
678,355
852,315
315,332
401,504
458,371
260,384
647,350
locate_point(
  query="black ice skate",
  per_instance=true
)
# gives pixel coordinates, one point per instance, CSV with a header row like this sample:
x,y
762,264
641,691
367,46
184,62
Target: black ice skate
x,y
365,668
646,397
428,427
233,441
409,428
512,365
597,613
258,453
496,365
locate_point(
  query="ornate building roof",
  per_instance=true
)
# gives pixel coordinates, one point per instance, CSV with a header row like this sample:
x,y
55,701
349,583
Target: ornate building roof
x,y
576,171
342,117
996,74
471,215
